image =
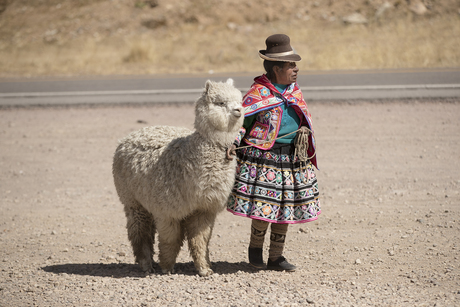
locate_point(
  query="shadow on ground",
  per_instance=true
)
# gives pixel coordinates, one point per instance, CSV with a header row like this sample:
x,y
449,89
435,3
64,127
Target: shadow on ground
x,y
121,270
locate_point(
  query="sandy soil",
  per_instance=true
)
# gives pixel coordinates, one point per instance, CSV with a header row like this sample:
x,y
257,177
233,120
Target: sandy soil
x,y
388,236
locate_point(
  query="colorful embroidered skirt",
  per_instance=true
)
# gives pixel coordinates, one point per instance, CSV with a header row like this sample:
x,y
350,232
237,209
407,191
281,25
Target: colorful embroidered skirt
x,y
274,186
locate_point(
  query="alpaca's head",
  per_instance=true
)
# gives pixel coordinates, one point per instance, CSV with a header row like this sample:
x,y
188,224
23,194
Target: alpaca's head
x,y
218,112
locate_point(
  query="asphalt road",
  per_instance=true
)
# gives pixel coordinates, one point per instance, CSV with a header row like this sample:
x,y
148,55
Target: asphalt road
x,y
320,85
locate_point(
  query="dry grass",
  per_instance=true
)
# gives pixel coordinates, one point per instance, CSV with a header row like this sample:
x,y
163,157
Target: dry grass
x,y
191,49
432,43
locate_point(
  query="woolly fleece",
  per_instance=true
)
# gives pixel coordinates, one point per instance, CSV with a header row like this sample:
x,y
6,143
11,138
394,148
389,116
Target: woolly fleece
x,y
174,181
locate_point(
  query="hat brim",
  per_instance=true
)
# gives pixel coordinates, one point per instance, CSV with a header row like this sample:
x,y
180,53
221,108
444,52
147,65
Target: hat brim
x,y
285,58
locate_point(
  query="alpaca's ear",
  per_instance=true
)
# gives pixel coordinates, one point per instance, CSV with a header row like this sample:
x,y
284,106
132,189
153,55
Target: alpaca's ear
x,y
207,86
230,81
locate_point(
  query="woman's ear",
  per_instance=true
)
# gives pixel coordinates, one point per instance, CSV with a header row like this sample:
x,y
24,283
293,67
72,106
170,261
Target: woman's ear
x,y
276,71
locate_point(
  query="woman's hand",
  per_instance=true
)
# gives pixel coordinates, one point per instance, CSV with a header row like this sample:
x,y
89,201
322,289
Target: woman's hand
x,y
304,130
231,151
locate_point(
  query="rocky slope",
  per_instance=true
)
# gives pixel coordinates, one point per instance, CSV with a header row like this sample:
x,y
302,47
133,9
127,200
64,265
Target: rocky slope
x,y
24,22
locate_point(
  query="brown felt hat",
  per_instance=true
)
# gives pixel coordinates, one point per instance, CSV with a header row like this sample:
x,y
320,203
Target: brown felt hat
x,y
279,49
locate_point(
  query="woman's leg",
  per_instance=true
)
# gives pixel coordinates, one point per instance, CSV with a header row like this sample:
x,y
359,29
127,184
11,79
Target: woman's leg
x,y
277,238
258,230
256,244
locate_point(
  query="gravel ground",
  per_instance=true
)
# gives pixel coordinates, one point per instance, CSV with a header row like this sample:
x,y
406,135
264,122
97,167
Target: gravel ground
x,y
388,235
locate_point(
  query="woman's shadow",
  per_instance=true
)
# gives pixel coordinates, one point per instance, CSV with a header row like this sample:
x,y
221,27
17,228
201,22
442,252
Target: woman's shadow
x,y
121,270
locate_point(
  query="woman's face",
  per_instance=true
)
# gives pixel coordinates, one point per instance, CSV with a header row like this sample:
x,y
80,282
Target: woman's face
x,y
286,75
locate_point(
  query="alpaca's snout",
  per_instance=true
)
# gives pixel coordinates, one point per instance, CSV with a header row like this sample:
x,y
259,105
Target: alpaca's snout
x,y
237,112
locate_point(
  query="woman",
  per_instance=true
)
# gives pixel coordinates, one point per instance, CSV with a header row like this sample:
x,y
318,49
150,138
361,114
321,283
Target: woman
x,y
273,186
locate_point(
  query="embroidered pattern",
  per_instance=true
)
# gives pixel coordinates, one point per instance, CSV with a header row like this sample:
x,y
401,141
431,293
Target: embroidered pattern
x,y
277,238
257,232
281,190
264,100
267,128
264,92
259,131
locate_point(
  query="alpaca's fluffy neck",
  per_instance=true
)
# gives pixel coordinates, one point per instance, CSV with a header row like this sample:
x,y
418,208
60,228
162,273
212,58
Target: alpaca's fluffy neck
x,y
217,138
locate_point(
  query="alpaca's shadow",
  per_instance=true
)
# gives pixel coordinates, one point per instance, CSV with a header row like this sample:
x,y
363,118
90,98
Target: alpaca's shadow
x,y
121,270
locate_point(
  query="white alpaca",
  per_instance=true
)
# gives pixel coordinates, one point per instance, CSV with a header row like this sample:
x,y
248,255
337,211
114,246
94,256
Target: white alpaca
x,y
175,181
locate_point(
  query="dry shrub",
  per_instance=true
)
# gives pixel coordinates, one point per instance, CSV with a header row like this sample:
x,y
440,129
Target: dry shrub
x,y
139,53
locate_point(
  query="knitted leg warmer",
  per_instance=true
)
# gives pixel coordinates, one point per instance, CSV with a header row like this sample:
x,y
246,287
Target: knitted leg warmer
x,y
277,238
258,230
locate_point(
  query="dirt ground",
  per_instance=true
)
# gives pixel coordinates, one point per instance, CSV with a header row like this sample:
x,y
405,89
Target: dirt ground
x,y
388,234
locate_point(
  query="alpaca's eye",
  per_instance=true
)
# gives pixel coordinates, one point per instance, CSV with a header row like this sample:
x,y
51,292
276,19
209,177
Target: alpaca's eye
x,y
220,103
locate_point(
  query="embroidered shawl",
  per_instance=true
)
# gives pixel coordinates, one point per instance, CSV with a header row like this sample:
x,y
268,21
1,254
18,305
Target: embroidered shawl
x,y
263,99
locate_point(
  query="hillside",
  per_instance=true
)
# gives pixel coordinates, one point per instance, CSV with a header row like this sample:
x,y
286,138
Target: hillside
x,y
74,37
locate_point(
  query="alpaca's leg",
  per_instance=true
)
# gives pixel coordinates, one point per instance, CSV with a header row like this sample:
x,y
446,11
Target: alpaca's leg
x,y
141,234
198,228
170,240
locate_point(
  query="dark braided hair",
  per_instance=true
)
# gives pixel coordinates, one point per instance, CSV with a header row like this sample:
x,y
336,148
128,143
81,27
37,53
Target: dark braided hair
x,y
269,66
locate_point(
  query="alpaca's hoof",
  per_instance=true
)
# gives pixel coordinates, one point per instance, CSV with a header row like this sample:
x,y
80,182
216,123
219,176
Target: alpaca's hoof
x,y
168,271
205,272
147,266
149,271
